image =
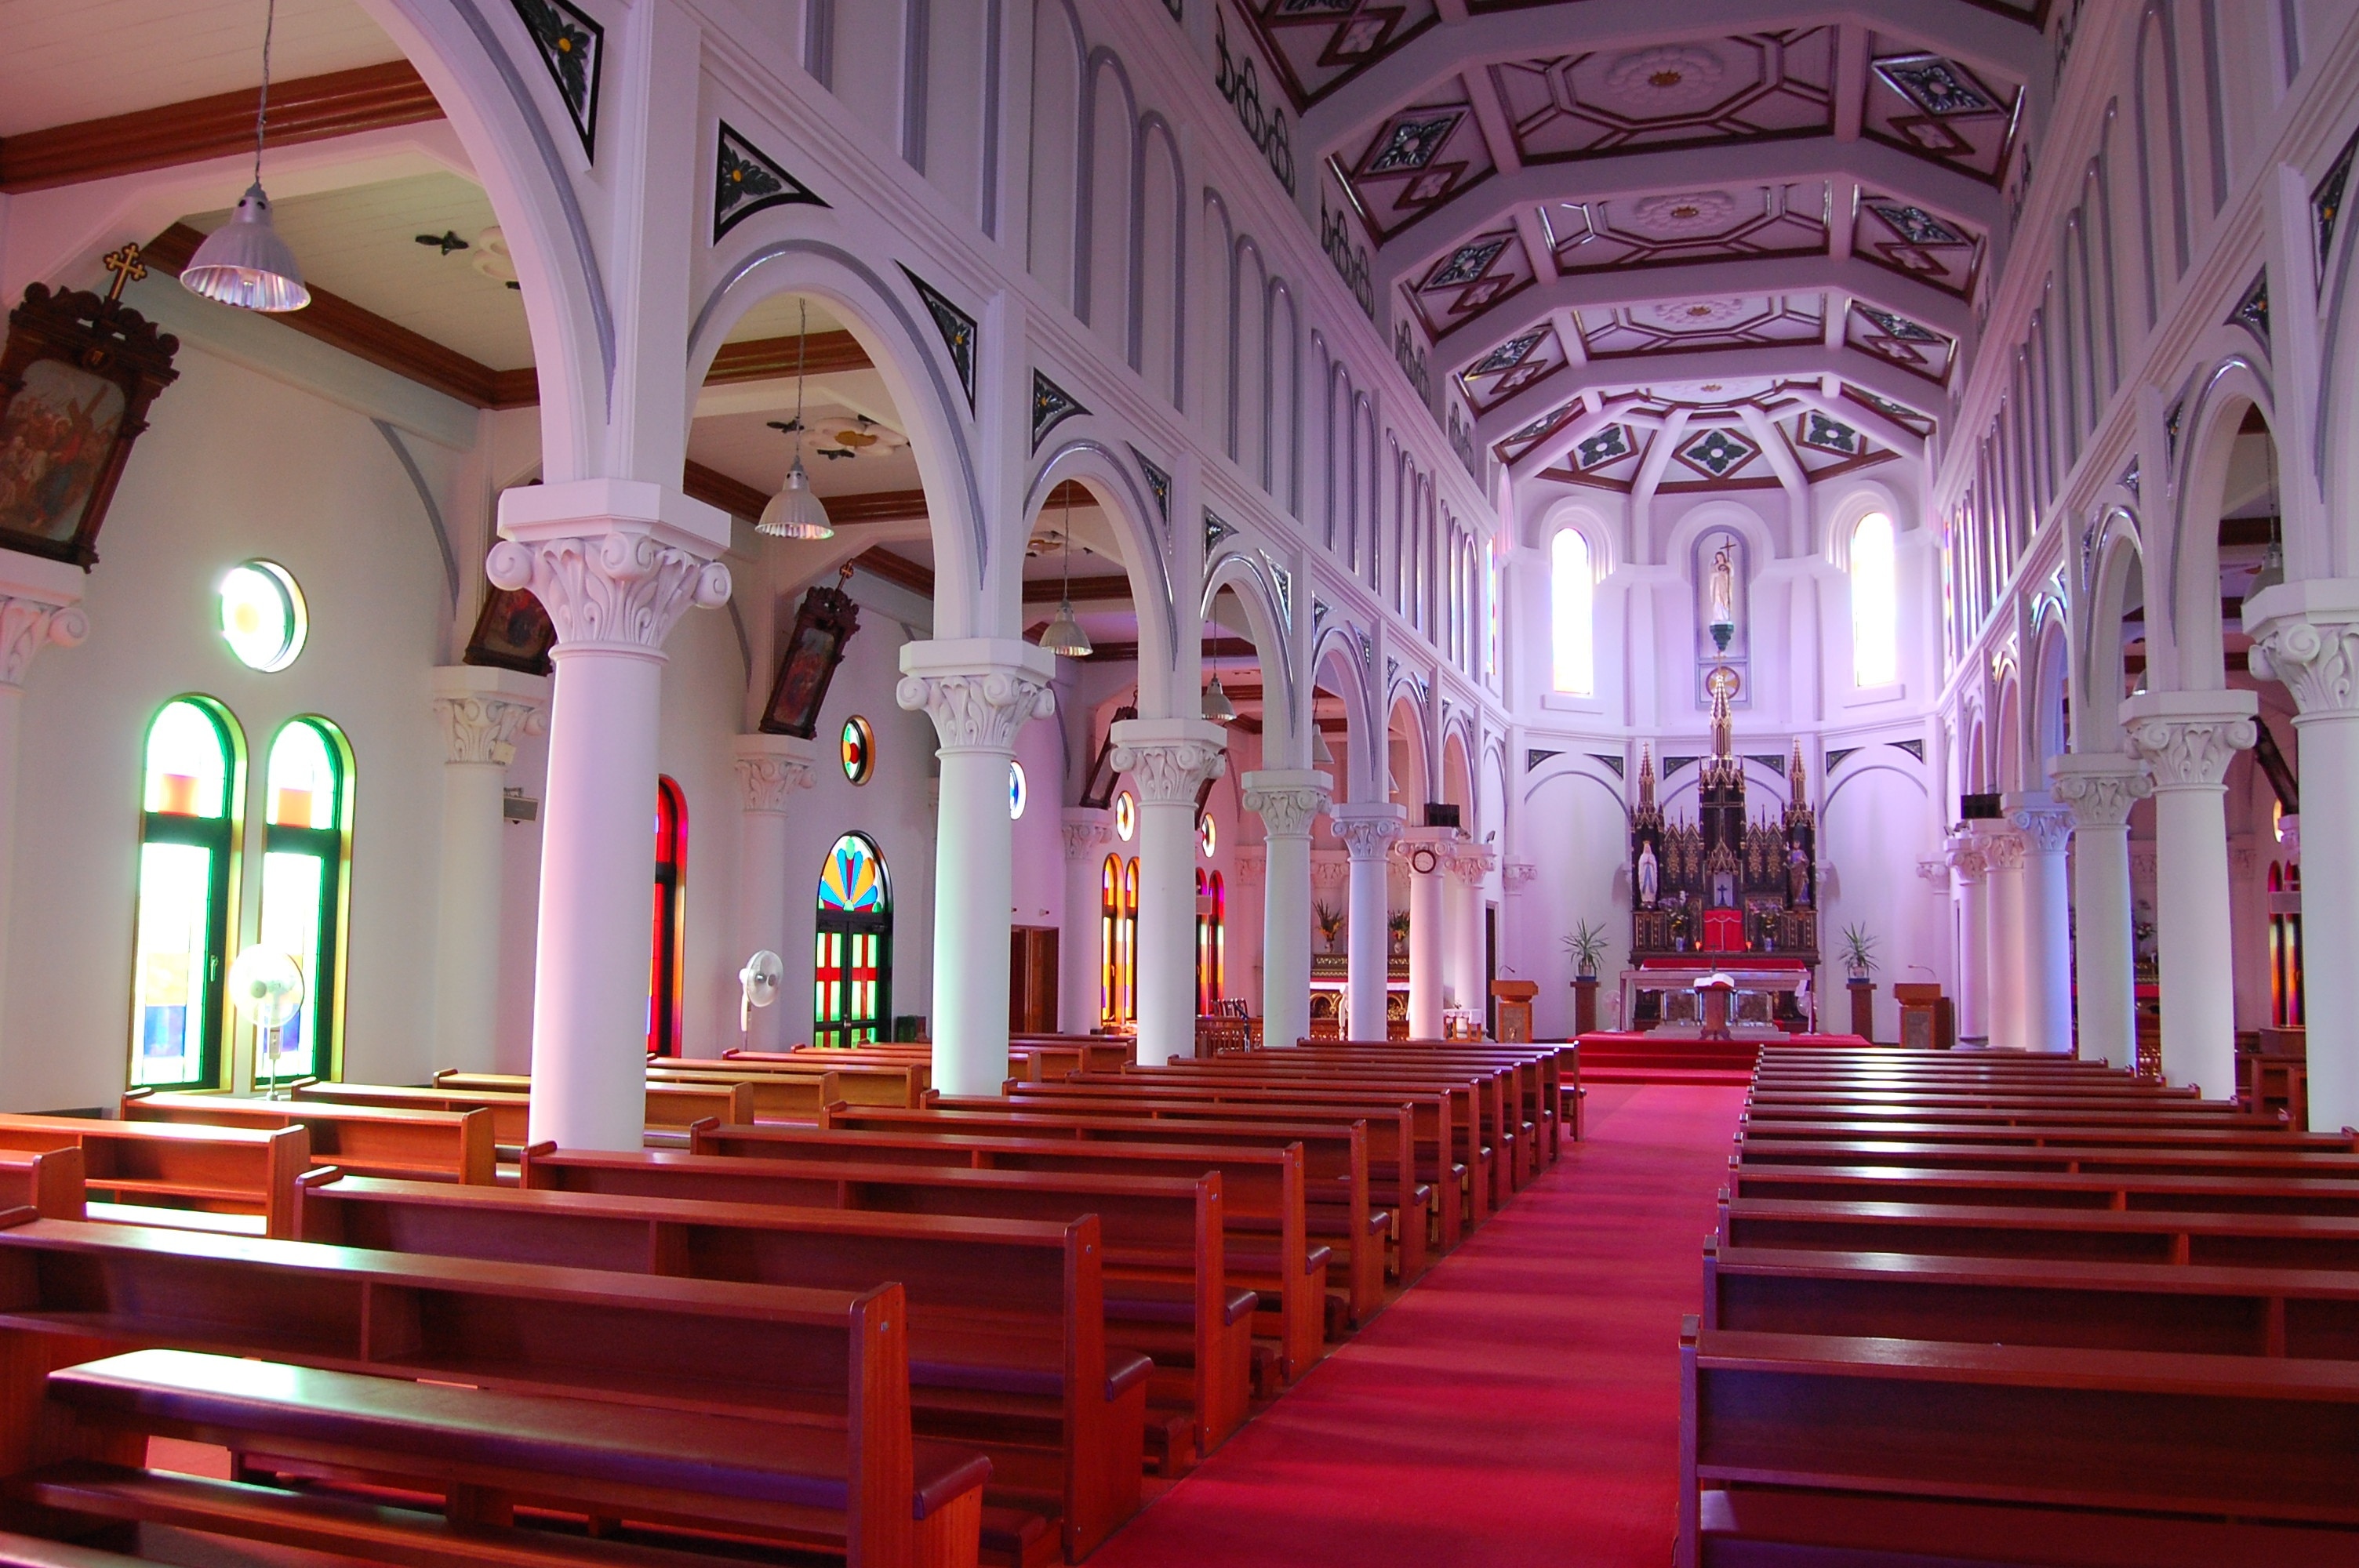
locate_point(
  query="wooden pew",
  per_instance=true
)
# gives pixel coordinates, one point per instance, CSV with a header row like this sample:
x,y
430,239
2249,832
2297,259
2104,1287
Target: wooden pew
x,y
2058,1189
2144,1236
231,1178
1389,1130
780,1090
1549,1073
670,1107
46,1180
1334,1159
484,1451
1167,1296
1261,1189
367,1141
1497,1140
1007,1330
831,1364
1981,1445
29,1552
2254,1159
2107,1135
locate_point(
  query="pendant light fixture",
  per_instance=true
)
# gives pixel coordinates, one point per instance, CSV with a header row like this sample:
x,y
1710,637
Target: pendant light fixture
x,y
1322,753
1217,706
1064,634
795,512
244,262
2272,571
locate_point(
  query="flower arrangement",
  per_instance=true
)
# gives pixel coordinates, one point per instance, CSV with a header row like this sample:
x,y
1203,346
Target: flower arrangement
x,y
1329,921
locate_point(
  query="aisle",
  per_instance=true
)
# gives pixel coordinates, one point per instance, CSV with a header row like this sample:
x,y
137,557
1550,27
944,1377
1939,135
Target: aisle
x,y
1520,1406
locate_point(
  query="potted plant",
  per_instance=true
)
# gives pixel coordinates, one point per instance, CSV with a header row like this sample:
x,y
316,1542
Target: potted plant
x,y
1587,945
1329,920
1858,950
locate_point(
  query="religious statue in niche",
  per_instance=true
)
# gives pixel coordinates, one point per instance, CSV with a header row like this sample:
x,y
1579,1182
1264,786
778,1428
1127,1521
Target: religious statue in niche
x,y
1717,577
1650,875
76,380
813,648
1721,600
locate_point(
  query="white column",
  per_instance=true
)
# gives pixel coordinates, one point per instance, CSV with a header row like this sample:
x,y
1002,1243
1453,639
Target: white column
x,y
2307,635
1088,831
1969,864
1461,974
2004,946
482,711
771,770
2100,788
2187,739
2045,964
1169,759
40,606
1289,801
1426,850
979,691
616,562
1367,829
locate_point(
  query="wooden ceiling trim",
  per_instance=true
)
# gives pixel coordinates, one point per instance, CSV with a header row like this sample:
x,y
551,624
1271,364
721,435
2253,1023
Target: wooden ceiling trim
x,y
717,488
308,108
882,562
1051,590
770,358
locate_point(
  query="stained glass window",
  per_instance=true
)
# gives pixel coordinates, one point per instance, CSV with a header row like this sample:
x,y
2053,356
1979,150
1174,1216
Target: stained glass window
x,y
261,615
1211,942
188,880
1572,590
852,974
1109,919
669,929
1125,816
1208,835
1016,791
859,743
1119,912
306,795
1875,603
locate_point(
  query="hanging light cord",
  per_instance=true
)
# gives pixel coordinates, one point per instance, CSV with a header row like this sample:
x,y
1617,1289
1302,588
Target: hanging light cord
x,y
1069,550
802,348
261,111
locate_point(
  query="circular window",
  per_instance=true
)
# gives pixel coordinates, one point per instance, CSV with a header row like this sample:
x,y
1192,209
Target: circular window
x,y
1125,816
1014,790
1207,835
262,617
859,747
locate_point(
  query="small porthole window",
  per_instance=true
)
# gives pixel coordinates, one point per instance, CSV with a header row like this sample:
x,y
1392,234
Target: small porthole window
x,y
1016,791
261,615
859,743
1125,816
1210,839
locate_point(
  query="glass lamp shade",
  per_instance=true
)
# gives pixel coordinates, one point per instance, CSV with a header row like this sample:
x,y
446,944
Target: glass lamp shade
x,y
1217,706
1322,753
795,512
245,264
2271,574
1064,634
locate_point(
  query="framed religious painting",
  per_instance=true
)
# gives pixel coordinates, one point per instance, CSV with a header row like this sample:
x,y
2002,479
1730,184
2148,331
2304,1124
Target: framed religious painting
x,y
76,379
813,648
512,631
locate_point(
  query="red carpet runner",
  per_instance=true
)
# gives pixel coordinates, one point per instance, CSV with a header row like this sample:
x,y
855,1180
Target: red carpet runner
x,y
1519,1406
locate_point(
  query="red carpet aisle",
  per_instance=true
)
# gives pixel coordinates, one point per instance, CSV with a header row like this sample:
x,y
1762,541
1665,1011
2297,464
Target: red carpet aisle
x,y
1520,1406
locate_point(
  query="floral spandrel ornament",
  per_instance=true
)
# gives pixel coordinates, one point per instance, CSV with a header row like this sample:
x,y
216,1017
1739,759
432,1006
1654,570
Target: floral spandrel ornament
x,y
574,48
746,181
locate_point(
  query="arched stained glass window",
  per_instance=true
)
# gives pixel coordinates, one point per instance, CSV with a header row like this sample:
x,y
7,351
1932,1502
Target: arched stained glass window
x,y
194,777
1875,603
305,857
1572,608
852,970
1211,942
1109,916
670,932
1118,915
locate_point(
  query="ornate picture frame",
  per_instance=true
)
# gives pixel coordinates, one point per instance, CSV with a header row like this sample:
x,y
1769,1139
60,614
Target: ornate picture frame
x,y
512,631
813,648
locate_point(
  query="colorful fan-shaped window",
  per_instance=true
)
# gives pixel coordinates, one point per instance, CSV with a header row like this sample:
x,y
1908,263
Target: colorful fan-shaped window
x,y
859,749
853,877
851,970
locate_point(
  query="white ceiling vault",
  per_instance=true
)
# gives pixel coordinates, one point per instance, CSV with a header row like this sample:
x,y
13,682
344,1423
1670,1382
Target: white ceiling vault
x,y
1765,228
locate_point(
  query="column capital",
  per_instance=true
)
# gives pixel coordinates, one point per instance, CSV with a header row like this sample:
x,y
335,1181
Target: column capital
x,y
1368,827
615,562
2099,786
771,769
1967,854
979,691
1472,863
1086,828
482,711
2004,848
1518,875
2045,825
1289,800
2189,737
2307,635
40,605
1170,758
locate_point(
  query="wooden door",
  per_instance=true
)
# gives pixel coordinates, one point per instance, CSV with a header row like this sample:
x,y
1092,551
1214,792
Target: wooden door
x,y
1032,980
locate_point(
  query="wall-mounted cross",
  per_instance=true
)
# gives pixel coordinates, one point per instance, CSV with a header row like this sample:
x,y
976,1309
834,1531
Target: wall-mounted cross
x,y
127,265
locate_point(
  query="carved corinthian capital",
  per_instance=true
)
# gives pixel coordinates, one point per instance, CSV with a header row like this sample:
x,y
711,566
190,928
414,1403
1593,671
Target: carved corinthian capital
x,y
2189,738
1087,830
771,769
978,691
2099,787
2004,848
618,590
2045,828
1368,831
2318,659
483,711
1472,863
40,606
1287,800
1170,758
1968,855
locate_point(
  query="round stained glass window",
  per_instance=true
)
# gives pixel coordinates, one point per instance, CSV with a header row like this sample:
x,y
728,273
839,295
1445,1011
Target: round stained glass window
x,y
859,744
262,617
1015,791
1125,816
1207,837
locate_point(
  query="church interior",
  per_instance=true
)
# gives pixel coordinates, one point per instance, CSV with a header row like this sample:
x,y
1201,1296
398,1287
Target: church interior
x,y
921,783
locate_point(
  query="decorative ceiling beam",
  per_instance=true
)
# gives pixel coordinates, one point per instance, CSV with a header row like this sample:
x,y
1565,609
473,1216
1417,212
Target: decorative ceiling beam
x,y
1984,41
1103,589
1505,197
717,488
774,359
310,109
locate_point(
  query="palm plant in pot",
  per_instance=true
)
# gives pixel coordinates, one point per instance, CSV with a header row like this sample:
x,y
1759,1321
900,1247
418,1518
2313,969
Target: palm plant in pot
x,y
1587,945
1858,952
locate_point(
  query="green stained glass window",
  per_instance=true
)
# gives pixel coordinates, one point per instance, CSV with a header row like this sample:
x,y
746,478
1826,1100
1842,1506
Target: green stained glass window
x,y
188,866
306,790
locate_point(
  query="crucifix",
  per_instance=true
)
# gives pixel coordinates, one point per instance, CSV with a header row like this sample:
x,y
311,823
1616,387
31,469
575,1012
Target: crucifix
x,y
127,265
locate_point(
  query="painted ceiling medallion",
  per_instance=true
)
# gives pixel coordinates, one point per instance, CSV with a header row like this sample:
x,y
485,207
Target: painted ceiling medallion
x,y
1692,212
1936,85
1467,262
1830,435
1916,225
1719,452
1611,444
1695,315
1674,76
1412,142
1507,355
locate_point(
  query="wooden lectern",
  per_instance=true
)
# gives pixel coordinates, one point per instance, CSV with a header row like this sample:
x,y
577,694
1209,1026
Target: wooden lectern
x,y
1927,1020
1515,1009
